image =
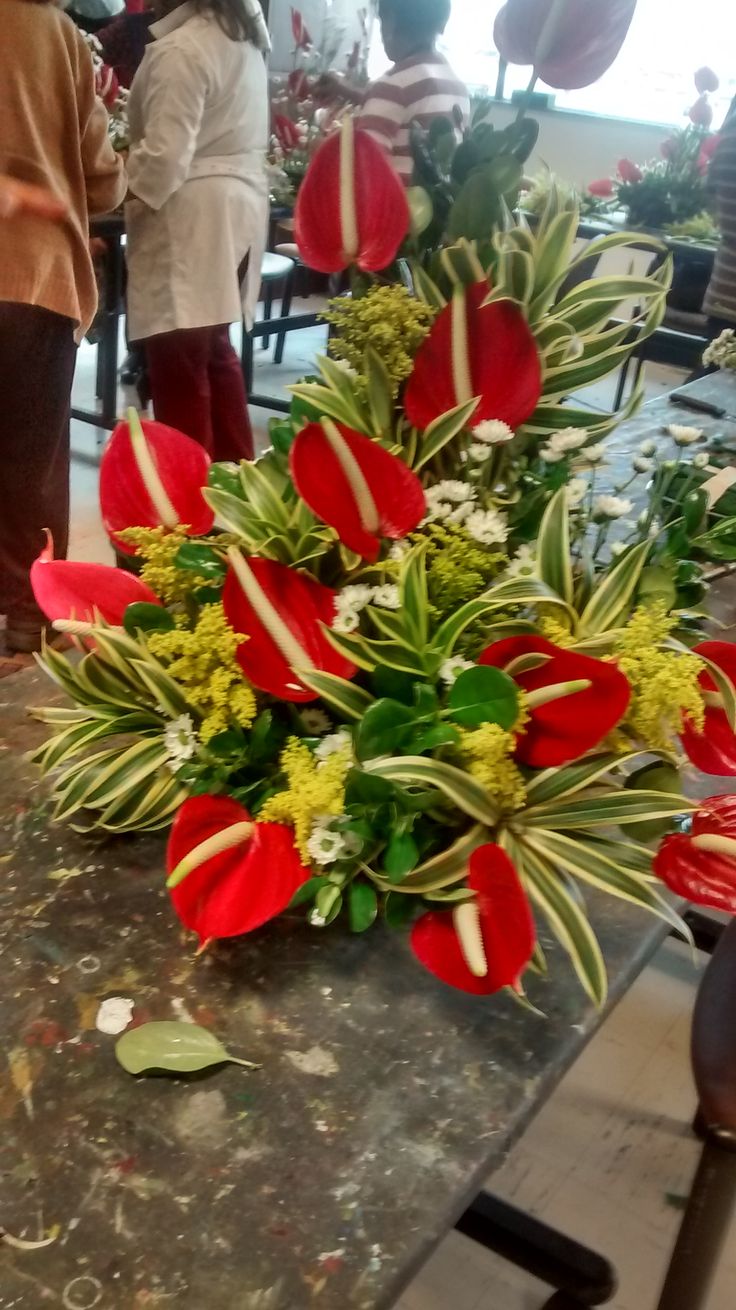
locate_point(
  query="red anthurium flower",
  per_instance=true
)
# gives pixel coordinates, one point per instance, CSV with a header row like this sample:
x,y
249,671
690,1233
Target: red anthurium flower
x,y
107,85
706,80
65,589
570,43
286,131
707,151
299,30
282,613
628,171
714,749
472,350
603,188
227,873
701,113
356,486
574,701
351,207
484,944
701,864
152,476
298,84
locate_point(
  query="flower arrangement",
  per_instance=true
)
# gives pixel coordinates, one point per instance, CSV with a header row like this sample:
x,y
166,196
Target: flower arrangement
x,y
113,96
722,351
412,663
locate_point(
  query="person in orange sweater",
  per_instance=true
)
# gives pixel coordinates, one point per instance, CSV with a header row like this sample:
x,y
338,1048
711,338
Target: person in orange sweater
x,y
53,135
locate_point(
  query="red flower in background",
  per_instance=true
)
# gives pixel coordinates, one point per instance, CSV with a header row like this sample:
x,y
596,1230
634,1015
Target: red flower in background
x,y
701,864
152,476
628,171
282,613
351,207
298,84
472,350
226,873
706,80
107,85
602,187
570,43
701,113
66,589
484,944
299,30
561,728
349,481
707,151
714,749
287,133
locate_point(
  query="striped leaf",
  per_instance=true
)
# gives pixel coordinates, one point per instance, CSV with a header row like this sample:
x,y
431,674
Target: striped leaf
x,y
233,514
340,695
442,430
553,547
164,690
611,601
552,262
260,496
551,784
126,770
150,805
449,632
441,870
616,807
626,854
331,404
380,394
414,596
457,786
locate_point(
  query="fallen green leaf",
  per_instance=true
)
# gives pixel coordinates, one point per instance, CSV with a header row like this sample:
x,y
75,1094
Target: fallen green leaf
x,y
172,1047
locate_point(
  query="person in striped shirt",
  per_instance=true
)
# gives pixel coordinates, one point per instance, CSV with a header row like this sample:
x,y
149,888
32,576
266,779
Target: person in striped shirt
x,y
419,87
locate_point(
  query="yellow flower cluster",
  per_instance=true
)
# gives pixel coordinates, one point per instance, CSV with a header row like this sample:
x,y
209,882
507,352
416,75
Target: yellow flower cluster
x,y
458,569
158,548
555,630
315,787
664,683
202,661
388,319
487,753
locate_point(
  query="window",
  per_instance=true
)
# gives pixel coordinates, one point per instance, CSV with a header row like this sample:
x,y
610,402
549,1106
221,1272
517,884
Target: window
x,y
652,79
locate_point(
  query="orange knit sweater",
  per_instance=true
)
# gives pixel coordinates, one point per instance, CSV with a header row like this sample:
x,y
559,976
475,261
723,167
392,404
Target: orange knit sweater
x,y
53,131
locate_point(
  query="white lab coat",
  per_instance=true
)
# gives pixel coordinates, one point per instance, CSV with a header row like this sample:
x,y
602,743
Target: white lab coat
x,y
198,113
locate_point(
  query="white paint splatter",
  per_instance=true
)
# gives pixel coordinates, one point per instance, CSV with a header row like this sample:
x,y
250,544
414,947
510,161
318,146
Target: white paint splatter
x,y
316,1061
180,1010
114,1015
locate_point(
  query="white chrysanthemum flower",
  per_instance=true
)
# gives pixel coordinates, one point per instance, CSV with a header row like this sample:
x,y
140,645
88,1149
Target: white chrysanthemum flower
x,y
648,448
493,432
568,439
487,526
399,550
346,620
523,565
684,436
332,743
461,512
655,529
315,722
593,454
180,740
387,597
316,919
356,596
452,668
550,455
618,548
641,464
324,845
577,490
611,507
700,461
454,490
478,452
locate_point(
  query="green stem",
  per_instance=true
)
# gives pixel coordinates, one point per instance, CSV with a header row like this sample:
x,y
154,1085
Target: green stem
x,y
526,101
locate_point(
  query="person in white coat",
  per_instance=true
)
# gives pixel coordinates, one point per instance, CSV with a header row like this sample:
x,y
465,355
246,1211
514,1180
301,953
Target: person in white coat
x,y
197,214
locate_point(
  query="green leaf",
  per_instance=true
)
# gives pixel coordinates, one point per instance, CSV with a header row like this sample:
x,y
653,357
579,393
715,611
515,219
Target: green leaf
x,y
172,1047
331,404
464,792
144,617
611,600
398,910
442,430
201,559
657,776
449,633
726,689
618,807
484,695
445,868
401,856
414,598
384,728
328,902
338,693
362,906
380,397
553,547
551,784
308,891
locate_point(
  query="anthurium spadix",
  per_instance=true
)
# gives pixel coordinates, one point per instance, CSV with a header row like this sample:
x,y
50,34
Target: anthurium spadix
x,y
349,481
351,207
282,615
67,589
474,350
152,476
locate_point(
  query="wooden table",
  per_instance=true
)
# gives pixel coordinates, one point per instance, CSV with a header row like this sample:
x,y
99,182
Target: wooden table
x,y
326,1178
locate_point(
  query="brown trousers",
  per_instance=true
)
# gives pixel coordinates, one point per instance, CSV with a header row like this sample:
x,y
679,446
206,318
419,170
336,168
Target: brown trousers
x,y
37,357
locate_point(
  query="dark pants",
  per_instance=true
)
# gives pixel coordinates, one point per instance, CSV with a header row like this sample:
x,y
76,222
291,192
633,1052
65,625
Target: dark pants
x,y
197,386
37,357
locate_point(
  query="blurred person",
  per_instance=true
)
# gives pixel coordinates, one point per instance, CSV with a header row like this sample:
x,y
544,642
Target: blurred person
x,y
720,298
123,41
91,15
53,137
198,212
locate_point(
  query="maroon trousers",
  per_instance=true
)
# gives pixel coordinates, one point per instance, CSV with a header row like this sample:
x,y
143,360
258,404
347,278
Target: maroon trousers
x,y
37,357
197,386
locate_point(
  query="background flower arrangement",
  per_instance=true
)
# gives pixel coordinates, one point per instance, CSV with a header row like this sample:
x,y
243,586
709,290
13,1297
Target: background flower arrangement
x,y
112,94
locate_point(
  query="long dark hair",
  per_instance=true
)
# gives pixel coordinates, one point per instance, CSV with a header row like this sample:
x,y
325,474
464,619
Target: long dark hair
x,y
232,18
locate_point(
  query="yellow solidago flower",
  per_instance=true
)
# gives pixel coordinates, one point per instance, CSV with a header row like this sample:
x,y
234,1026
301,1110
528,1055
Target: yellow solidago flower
x,y
487,752
316,787
158,548
458,569
203,663
388,319
664,683
555,630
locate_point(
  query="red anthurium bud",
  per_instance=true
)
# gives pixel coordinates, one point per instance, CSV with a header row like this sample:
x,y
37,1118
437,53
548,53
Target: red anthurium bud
x,y
701,864
603,188
356,486
706,80
701,113
573,700
484,944
351,207
472,350
570,43
282,613
152,476
226,873
299,30
628,171
286,131
714,749
65,589
707,151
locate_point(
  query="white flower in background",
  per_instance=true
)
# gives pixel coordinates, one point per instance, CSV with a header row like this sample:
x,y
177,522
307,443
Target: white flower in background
x,y
487,526
611,507
700,461
655,529
684,436
348,604
568,439
316,919
346,620
551,456
324,845
618,548
454,490
315,722
461,512
577,490
334,742
399,550
493,432
722,351
648,448
452,668
523,565
478,452
593,454
642,464
387,597
180,741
